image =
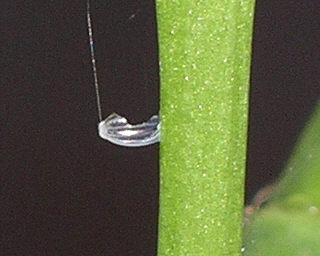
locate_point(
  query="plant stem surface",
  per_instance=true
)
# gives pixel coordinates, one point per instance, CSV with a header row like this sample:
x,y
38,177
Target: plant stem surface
x,y
205,49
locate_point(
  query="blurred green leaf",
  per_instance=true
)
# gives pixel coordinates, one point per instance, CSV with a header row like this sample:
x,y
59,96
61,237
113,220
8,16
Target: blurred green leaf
x,y
290,223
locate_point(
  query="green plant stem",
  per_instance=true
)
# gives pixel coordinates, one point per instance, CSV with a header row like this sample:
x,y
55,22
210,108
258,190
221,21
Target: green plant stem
x,y
205,49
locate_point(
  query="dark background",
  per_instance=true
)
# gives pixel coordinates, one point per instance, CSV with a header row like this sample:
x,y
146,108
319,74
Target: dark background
x,y
64,191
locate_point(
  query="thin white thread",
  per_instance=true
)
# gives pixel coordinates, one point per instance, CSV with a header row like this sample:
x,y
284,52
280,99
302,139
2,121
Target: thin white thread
x,y
115,128
93,60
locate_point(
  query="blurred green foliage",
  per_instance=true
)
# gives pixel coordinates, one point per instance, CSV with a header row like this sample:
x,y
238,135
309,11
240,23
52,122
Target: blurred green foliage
x,y
289,225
